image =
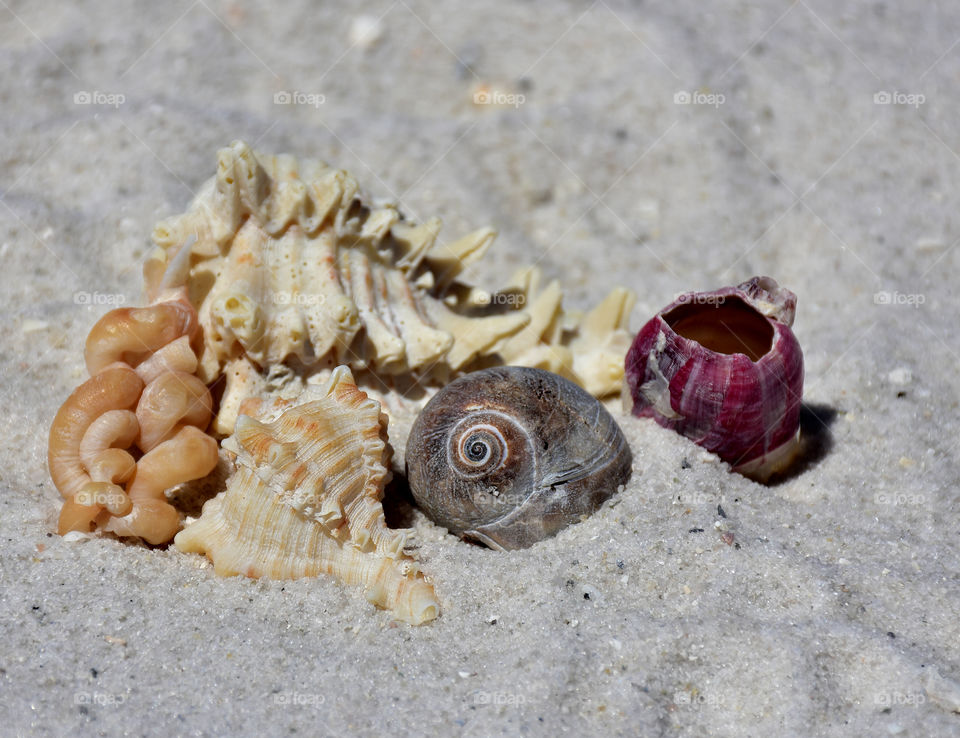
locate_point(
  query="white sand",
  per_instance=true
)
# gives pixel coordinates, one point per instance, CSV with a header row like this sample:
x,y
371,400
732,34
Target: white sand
x,y
838,613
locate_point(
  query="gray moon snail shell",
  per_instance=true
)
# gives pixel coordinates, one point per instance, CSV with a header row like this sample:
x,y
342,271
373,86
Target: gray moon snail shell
x,y
510,455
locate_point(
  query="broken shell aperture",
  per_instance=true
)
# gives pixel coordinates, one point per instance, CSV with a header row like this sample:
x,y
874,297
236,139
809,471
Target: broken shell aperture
x,y
724,369
510,455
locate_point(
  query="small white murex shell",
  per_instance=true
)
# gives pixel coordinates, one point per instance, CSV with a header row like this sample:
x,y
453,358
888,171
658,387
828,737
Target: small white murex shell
x,y
306,500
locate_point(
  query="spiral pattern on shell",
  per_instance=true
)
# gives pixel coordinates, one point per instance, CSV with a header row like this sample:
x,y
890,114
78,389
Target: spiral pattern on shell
x,y
510,455
478,448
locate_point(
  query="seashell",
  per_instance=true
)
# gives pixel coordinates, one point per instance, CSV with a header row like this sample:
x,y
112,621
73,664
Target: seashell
x,y
305,500
508,456
724,369
286,262
141,391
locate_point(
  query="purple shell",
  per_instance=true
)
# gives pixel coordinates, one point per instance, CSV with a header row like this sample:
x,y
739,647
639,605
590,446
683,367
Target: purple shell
x,y
724,369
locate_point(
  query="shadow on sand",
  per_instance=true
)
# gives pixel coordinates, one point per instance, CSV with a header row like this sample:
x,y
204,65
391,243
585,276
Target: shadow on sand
x,y
816,440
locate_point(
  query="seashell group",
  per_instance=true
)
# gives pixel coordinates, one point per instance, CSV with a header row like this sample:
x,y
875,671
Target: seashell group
x,y
280,288
508,456
724,369
305,500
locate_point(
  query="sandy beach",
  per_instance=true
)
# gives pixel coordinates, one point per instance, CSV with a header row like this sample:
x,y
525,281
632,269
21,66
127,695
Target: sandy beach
x,y
665,147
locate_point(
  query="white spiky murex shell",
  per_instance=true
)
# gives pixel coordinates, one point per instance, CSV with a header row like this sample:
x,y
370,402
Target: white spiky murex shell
x,y
305,499
286,262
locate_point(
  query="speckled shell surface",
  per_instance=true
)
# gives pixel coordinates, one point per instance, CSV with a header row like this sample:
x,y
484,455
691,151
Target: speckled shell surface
x,y
508,456
287,263
305,500
724,369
